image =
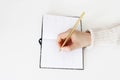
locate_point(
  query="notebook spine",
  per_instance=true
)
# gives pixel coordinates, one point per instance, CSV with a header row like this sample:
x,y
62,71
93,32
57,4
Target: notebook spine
x,y
40,40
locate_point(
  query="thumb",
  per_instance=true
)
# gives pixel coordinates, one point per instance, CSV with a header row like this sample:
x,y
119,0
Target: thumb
x,y
63,35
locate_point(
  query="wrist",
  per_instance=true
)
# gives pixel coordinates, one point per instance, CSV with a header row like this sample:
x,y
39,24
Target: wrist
x,y
88,38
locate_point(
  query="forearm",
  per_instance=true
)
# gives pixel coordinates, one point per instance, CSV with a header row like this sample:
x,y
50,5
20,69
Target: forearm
x,y
110,36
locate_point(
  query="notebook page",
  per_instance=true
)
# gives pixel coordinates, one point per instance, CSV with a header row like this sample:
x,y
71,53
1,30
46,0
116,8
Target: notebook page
x,y
50,56
54,25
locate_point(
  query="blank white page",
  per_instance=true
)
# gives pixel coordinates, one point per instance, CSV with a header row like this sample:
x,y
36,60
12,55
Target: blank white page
x,y
50,55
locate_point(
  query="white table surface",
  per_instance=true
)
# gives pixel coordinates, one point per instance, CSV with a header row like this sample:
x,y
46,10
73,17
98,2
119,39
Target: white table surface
x,y
20,24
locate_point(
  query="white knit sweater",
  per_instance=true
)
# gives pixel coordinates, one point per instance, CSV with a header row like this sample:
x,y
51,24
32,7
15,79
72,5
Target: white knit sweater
x,y
109,36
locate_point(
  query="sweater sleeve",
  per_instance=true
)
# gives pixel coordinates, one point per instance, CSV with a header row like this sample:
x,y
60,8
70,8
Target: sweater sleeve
x,y
109,36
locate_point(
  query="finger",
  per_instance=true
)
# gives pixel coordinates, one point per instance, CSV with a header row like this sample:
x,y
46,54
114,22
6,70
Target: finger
x,y
64,34
59,44
59,39
69,48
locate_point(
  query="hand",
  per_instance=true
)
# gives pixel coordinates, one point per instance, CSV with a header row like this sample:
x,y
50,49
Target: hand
x,y
77,40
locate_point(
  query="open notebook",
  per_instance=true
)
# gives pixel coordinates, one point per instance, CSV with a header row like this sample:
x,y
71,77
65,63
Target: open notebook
x,y
50,57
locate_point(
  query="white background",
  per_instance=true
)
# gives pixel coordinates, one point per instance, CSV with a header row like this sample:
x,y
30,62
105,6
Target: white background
x,y
20,24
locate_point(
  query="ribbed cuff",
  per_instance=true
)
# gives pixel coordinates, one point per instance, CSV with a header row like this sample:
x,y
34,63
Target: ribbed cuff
x,y
92,37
